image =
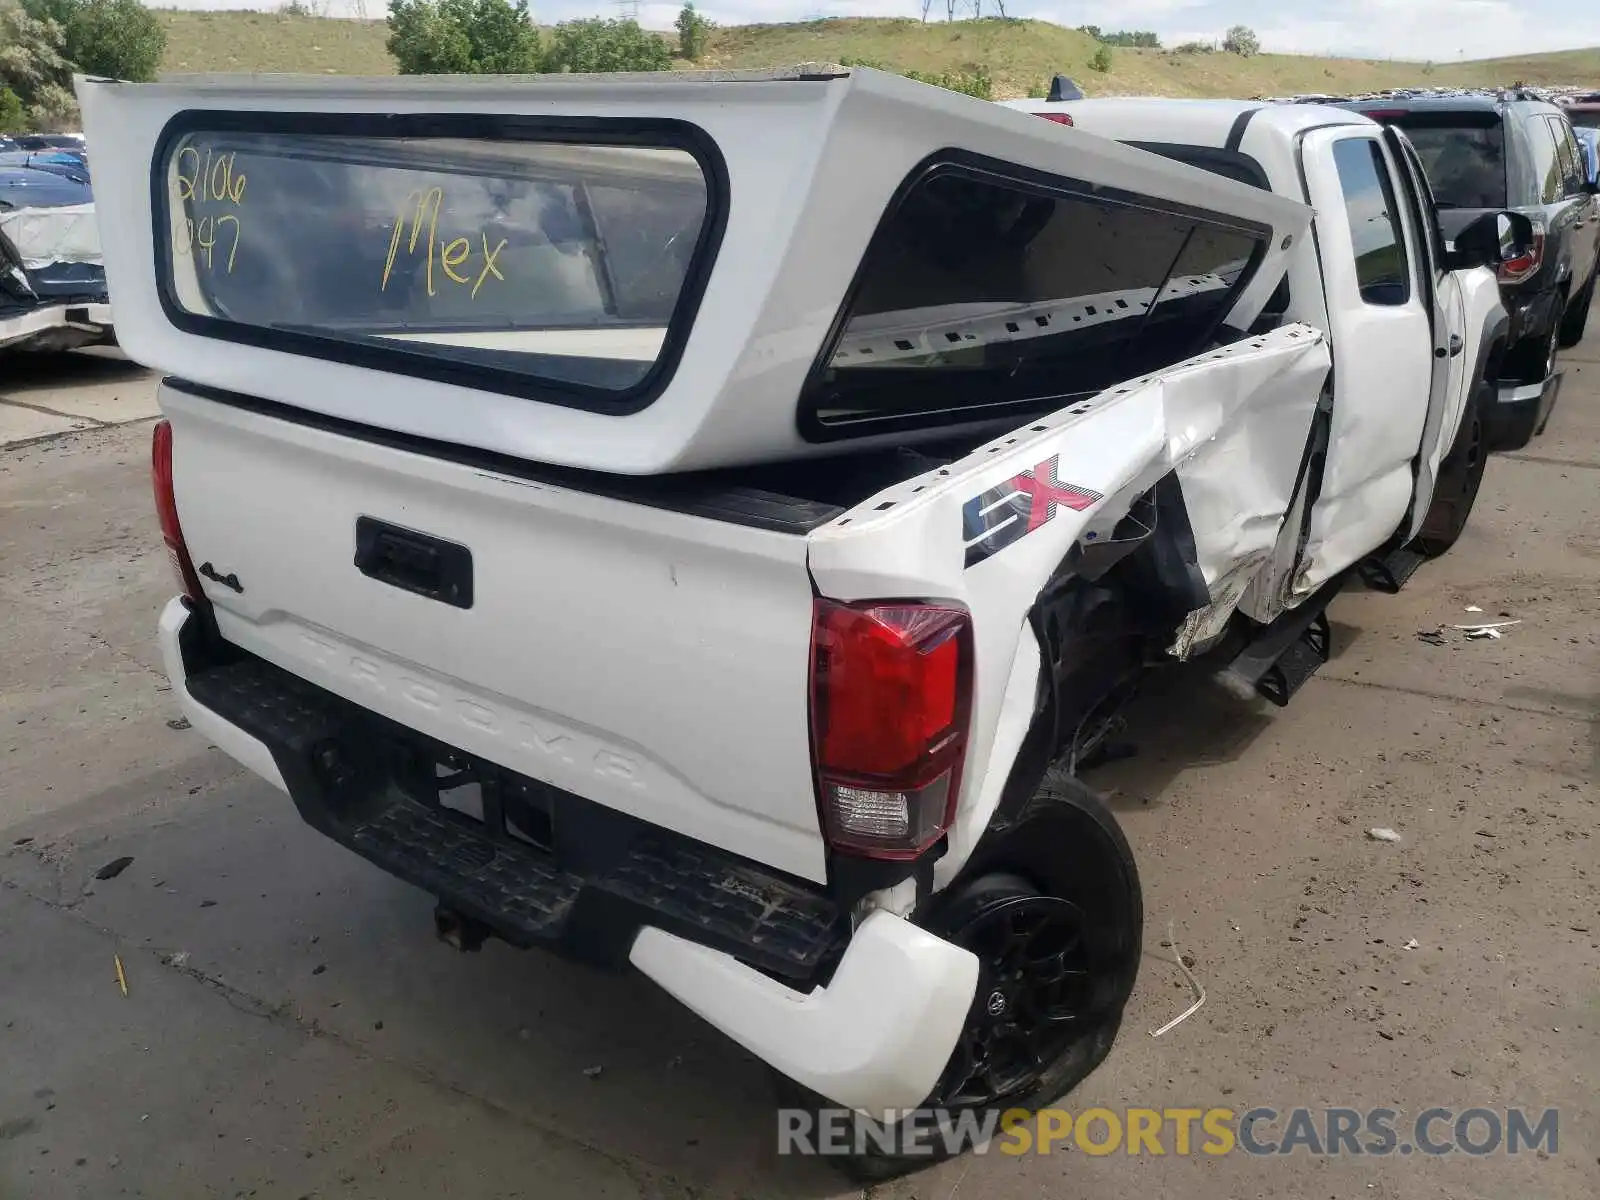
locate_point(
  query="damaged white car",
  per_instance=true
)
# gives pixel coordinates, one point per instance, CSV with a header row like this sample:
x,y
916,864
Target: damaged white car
x,y
52,282
704,522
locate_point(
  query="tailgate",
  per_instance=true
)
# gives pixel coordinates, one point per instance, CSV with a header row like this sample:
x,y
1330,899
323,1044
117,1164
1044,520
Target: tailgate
x,y
653,661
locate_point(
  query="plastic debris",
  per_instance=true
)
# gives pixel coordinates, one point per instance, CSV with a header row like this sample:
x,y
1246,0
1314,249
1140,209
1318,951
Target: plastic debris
x,y
1412,944
122,976
1473,608
1381,834
593,1072
1434,637
1194,986
1485,629
1478,635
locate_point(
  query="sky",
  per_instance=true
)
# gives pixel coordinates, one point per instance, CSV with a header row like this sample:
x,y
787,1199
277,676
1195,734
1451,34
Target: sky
x,y
1438,30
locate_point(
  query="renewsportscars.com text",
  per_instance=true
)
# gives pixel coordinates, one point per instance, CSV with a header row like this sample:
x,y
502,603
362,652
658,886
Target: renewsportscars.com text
x,y
1260,1131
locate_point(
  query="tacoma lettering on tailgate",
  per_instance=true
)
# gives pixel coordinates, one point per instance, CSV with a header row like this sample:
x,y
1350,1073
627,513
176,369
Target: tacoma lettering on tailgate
x,y
992,521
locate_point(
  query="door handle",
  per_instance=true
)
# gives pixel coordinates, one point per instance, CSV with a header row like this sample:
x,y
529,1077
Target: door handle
x,y
414,562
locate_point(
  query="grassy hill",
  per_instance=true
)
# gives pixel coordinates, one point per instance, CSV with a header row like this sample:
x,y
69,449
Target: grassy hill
x,y
1018,55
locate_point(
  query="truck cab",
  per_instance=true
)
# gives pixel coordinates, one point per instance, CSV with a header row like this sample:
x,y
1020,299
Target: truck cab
x,y
1403,314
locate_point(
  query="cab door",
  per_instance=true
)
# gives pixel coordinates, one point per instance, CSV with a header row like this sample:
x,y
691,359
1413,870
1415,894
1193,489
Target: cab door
x,y
1381,320
1454,360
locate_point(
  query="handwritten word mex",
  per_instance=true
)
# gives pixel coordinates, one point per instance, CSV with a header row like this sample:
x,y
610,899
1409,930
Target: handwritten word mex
x,y
423,209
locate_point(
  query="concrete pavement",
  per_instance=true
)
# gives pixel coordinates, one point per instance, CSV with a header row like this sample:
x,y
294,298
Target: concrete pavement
x,y
293,1029
42,395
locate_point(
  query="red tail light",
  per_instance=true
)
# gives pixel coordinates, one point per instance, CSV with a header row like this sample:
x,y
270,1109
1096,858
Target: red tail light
x,y
891,694
167,511
1515,270
1058,118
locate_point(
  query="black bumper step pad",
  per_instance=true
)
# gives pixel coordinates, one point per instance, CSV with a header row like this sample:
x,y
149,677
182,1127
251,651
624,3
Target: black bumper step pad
x,y
336,759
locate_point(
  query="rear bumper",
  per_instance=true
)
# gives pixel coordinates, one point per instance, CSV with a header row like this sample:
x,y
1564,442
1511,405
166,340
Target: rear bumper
x,y
867,1019
1521,411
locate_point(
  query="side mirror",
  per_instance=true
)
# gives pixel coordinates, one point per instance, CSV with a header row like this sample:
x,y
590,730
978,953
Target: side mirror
x,y
1492,239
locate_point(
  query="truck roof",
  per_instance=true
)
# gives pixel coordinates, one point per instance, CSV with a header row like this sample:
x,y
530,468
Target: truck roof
x,y
1192,122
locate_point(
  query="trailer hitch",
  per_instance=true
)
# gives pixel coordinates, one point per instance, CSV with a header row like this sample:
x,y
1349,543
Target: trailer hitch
x,y
462,932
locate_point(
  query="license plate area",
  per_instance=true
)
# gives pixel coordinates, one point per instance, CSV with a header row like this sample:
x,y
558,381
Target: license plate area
x,y
510,807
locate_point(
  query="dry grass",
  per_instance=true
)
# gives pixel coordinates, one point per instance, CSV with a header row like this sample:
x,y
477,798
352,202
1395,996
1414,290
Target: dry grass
x,y
1018,55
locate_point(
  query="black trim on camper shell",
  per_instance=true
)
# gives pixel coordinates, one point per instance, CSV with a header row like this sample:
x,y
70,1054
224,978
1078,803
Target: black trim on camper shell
x,y
980,166
644,132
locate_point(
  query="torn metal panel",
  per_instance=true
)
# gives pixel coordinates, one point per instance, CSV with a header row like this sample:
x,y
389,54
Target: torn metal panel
x,y
993,528
43,237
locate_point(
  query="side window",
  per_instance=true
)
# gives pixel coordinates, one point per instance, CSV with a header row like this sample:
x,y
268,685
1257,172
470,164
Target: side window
x,y
1579,171
1383,271
1548,179
981,294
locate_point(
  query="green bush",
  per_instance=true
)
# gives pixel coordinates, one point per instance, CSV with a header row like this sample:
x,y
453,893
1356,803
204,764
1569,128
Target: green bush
x,y
1101,60
478,37
13,116
592,44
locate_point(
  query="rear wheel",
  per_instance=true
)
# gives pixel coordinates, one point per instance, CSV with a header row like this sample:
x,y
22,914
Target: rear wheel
x,y
1572,325
1055,970
1460,476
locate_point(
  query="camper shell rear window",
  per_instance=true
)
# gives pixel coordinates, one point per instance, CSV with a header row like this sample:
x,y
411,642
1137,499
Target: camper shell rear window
x,y
560,261
991,291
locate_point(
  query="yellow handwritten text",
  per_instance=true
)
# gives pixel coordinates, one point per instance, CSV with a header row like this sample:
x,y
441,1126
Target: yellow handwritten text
x,y
421,212
206,179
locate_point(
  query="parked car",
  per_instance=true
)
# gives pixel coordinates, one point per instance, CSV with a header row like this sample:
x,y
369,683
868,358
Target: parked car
x,y
681,552
52,280
1583,110
1483,153
1589,142
49,141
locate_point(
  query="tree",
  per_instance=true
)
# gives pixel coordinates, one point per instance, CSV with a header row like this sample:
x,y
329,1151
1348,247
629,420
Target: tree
x,y
694,32
477,37
13,117
591,44
120,39
33,68
1102,60
1242,40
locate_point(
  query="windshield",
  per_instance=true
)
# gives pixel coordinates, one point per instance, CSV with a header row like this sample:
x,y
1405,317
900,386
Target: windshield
x,y
1464,158
556,260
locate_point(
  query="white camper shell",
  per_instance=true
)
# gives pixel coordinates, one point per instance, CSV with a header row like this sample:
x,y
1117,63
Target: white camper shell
x,y
735,584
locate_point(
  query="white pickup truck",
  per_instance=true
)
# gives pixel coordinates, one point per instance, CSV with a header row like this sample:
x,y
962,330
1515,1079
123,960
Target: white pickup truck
x,y
704,522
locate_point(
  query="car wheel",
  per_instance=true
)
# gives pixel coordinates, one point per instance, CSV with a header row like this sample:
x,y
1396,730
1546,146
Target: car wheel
x,y
1572,325
1054,975
1460,476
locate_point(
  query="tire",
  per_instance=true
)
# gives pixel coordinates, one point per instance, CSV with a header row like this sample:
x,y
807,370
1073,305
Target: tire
x,y
1460,476
1022,935
1577,316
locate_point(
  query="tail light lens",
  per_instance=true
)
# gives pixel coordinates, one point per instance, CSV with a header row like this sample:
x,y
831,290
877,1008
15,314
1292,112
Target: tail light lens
x,y
167,511
1515,270
1058,118
891,697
